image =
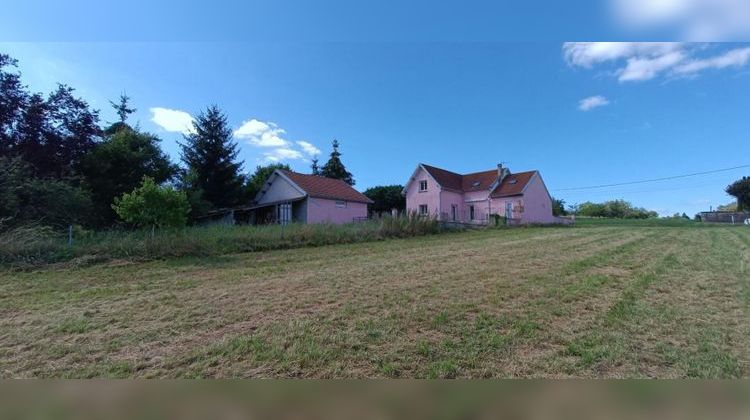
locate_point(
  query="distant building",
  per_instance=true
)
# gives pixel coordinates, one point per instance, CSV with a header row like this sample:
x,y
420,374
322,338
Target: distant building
x,y
473,198
735,217
289,196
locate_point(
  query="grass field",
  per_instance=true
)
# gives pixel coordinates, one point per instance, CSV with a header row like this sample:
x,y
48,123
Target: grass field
x,y
631,300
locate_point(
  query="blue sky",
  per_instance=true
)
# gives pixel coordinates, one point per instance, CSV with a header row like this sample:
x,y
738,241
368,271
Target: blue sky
x,y
464,99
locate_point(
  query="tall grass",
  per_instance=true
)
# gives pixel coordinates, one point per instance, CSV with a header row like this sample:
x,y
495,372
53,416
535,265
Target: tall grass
x,y
32,246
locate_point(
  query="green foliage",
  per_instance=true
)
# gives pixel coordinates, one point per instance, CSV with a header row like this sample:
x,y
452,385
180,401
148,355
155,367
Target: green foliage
x,y
123,109
727,207
386,197
25,199
740,189
210,155
334,168
261,174
314,168
151,205
118,165
558,207
618,209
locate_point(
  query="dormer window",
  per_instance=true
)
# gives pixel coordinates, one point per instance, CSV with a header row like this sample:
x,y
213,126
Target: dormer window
x,y
476,184
513,181
422,185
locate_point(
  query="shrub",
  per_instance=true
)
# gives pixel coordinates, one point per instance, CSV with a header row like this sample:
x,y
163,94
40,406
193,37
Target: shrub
x,y
151,205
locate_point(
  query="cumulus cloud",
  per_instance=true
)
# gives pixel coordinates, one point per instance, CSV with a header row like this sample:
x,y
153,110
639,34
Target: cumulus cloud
x,y
308,148
172,120
268,135
639,61
261,134
695,20
587,104
281,154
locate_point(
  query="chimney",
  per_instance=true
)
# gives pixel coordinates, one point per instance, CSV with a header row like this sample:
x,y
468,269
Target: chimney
x,y
502,172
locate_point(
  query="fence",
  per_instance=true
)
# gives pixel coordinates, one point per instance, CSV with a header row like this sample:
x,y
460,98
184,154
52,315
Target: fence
x,y
729,217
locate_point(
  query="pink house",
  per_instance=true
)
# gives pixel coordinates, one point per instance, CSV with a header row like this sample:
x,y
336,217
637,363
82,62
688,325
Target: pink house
x,y
293,197
473,198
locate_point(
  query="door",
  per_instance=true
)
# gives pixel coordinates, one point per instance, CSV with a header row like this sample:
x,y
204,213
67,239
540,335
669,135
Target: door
x,y
509,210
454,210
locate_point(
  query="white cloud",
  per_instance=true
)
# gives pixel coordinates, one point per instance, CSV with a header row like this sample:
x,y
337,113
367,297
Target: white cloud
x,y
281,154
308,148
647,68
586,54
734,58
649,60
261,134
172,120
269,135
695,20
592,102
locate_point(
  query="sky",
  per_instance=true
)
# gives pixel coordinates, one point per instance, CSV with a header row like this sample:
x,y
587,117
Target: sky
x,y
460,88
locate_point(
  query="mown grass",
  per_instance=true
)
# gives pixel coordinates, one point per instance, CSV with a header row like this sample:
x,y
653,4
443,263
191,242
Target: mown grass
x,y
593,301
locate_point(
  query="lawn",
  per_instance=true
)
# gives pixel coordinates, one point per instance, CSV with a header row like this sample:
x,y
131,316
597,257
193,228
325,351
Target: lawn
x,y
591,301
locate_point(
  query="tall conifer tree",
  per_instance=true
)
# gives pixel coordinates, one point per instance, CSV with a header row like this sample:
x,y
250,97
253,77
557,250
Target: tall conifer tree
x,y
210,155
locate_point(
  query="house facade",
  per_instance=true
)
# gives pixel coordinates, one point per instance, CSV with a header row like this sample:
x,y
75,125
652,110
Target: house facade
x,y
473,198
288,197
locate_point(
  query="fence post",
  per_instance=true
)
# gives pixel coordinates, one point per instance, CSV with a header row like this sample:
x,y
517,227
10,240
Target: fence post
x,y
70,235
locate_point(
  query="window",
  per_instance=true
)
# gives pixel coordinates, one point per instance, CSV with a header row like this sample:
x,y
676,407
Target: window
x,y
471,212
422,185
285,213
341,204
423,209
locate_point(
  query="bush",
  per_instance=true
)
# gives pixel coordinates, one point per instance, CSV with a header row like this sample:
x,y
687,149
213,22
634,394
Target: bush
x,y
151,205
617,209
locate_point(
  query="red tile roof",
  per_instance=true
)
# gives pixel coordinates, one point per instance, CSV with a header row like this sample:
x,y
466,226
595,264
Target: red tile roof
x,y
479,180
513,184
322,187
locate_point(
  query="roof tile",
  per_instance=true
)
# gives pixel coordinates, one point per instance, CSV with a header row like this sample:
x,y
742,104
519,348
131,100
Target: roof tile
x,y
322,187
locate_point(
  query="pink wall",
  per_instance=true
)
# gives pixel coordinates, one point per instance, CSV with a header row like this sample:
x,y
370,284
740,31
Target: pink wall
x,y
537,203
431,197
448,199
320,210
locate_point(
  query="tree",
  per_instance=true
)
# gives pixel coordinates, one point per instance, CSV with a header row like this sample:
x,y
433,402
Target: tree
x,y
334,168
315,169
210,155
13,98
618,209
386,198
740,190
26,199
151,205
558,207
122,108
118,165
261,174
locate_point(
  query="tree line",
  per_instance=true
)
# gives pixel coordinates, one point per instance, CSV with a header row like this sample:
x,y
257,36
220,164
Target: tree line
x,y
60,165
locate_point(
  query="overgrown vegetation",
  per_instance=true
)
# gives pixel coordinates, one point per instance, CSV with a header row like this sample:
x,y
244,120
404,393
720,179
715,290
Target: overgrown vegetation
x,y
616,209
26,247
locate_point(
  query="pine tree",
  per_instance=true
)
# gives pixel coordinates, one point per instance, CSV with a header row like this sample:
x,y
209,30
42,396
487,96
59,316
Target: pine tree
x,y
210,155
122,108
334,168
315,168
